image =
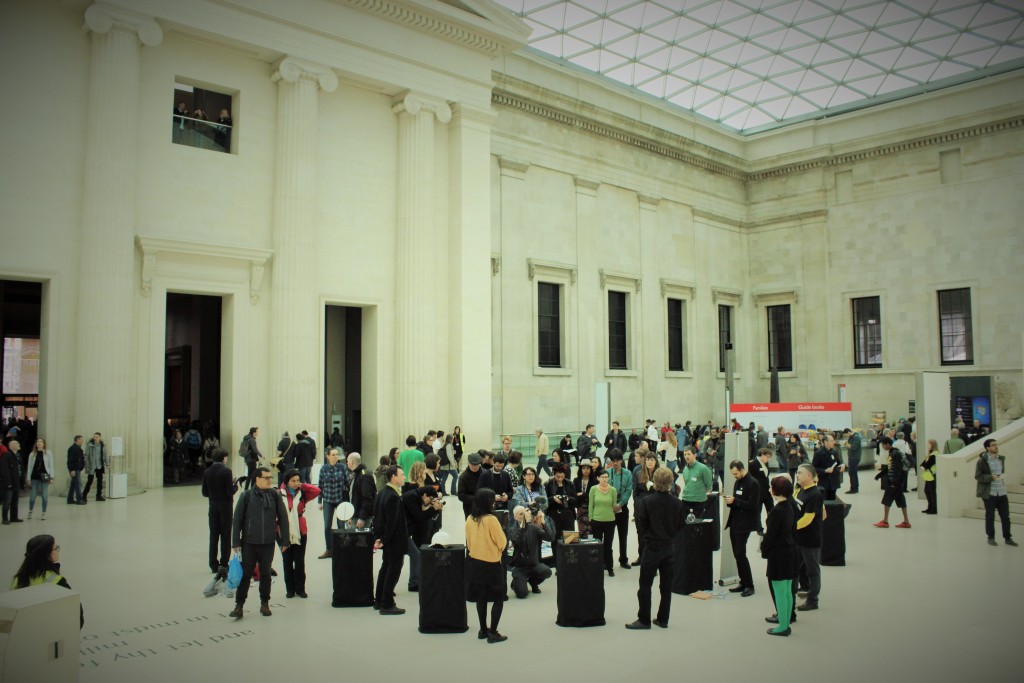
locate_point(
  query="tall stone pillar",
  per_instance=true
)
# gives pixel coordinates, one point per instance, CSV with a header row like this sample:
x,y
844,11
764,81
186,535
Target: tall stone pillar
x,y
105,342
420,389
294,326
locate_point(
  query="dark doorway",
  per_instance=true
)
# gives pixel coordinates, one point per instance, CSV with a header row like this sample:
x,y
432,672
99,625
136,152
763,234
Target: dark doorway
x,y
191,385
343,374
20,315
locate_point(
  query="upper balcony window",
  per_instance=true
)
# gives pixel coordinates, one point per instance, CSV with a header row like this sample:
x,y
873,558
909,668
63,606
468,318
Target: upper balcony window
x,y
201,118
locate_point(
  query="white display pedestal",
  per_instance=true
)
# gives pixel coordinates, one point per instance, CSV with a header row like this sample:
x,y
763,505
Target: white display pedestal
x,y
39,634
117,485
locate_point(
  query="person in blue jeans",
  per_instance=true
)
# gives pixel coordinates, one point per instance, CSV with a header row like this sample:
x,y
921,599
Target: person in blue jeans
x,y
76,463
334,485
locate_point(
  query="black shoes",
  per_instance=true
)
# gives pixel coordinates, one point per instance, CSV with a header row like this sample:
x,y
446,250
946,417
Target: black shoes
x,y
747,592
482,634
773,632
535,590
236,613
638,626
992,541
737,589
636,563
301,594
611,572
807,606
100,499
495,637
391,611
661,624
265,609
850,493
414,589
1010,541
289,594
624,564
774,619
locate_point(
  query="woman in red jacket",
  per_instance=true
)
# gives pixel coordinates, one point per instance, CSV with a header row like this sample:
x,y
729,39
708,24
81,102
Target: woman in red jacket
x,y
296,495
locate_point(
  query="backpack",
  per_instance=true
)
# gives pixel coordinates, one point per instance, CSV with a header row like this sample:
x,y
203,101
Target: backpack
x,y
243,449
193,439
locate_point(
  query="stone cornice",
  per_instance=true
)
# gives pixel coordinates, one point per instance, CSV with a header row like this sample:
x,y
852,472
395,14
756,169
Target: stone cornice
x,y
477,33
292,70
415,103
103,18
665,143
153,248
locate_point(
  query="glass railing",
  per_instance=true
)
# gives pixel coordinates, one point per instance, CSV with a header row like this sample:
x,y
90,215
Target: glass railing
x,y
193,132
527,443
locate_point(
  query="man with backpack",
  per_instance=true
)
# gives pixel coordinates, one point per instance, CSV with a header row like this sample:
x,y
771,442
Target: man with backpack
x,y
893,476
194,445
249,452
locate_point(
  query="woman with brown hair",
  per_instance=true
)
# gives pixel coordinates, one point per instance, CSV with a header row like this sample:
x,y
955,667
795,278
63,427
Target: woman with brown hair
x,y
643,486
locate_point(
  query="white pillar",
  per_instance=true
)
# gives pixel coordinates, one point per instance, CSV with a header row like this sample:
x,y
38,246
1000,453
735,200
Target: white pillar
x,y
105,341
294,326
470,274
420,397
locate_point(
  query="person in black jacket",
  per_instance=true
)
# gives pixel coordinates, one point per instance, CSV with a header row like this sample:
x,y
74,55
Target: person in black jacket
x,y
10,481
304,455
527,532
220,488
828,463
808,535
893,478
779,548
561,500
469,482
421,507
391,536
759,471
585,444
363,492
499,481
616,439
260,519
657,522
744,517
76,463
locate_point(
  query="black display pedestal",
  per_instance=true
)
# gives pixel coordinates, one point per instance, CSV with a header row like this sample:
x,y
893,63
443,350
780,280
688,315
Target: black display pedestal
x,y
443,589
712,511
352,568
833,538
691,558
580,584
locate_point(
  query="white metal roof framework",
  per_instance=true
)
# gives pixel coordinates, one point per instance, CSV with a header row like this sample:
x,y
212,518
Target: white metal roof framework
x,y
755,65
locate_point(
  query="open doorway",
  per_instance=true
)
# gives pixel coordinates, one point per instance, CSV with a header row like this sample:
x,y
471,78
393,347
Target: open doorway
x,y
20,358
192,364
343,375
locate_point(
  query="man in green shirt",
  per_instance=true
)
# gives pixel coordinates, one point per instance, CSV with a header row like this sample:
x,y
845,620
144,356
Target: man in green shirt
x,y
697,483
410,455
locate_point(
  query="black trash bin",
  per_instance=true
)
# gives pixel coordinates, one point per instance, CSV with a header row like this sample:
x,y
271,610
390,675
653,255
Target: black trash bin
x,y
692,558
580,584
443,589
352,568
833,536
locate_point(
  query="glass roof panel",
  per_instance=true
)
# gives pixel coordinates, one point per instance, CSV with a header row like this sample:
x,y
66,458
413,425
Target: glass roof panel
x,y
753,65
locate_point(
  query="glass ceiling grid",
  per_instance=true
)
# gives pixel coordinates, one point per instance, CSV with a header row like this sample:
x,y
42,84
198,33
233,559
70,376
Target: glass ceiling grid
x,y
753,65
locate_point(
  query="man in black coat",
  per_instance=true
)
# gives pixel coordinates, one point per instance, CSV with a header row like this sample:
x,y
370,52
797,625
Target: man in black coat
x,y
421,509
304,454
220,488
585,444
616,439
499,481
828,464
809,528
759,471
744,517
391,537
469,482
363,491
76,463
853,446
657,522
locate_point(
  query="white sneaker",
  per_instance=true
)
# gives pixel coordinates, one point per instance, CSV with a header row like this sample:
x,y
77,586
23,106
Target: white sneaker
x,y
44,516
29,515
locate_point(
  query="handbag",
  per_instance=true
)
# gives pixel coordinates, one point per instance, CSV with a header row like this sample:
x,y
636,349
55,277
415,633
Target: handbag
x,y
44,477
234,572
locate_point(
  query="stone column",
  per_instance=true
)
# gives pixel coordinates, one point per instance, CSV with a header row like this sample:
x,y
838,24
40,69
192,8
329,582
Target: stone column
x,y
470,274
420,397
105,341
295,325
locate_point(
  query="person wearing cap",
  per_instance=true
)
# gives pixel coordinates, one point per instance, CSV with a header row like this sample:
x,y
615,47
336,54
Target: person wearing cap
x,y
469,482
527,533
334,485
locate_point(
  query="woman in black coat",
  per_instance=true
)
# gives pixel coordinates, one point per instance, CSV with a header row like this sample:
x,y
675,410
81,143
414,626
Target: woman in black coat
x,y
779,548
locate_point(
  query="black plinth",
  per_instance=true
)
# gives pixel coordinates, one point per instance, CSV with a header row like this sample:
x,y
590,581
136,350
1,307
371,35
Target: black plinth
x,y
580,584
352,568
833,538
443,589
712,511
691,559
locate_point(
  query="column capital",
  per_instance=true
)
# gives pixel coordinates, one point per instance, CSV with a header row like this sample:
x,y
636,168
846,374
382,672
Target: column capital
x,y
292,70
415,103
102,18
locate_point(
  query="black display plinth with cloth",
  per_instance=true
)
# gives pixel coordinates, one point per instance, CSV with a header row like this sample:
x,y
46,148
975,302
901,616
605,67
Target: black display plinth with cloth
x,y
833,536
580,584
691,558
443,589
352,568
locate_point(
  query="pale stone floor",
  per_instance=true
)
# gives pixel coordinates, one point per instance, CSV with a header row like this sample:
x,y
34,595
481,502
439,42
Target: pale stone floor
x,y
933,603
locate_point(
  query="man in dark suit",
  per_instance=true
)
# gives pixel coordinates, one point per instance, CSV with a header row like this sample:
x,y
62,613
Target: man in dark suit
x,y
759,471
220,487
744,517
828,464
853,445
391,537
616,439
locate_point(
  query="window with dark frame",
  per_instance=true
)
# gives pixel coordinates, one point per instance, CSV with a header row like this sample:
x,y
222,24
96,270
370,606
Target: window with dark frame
x,y
201,118
617,331
724,333
675,335
549,325
867,332
956,337
780,338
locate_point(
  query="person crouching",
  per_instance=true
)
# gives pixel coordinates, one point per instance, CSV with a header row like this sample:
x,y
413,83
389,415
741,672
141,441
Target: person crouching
x,y
528,530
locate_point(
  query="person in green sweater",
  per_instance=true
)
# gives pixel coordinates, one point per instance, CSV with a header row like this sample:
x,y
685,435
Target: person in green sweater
x,y
603,499
697,483
410,455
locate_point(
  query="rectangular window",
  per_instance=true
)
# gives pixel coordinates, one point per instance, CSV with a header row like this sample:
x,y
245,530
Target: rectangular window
x,y
724,333
675,335
549,325
867,332
780,338
617,331
201,118
956,338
